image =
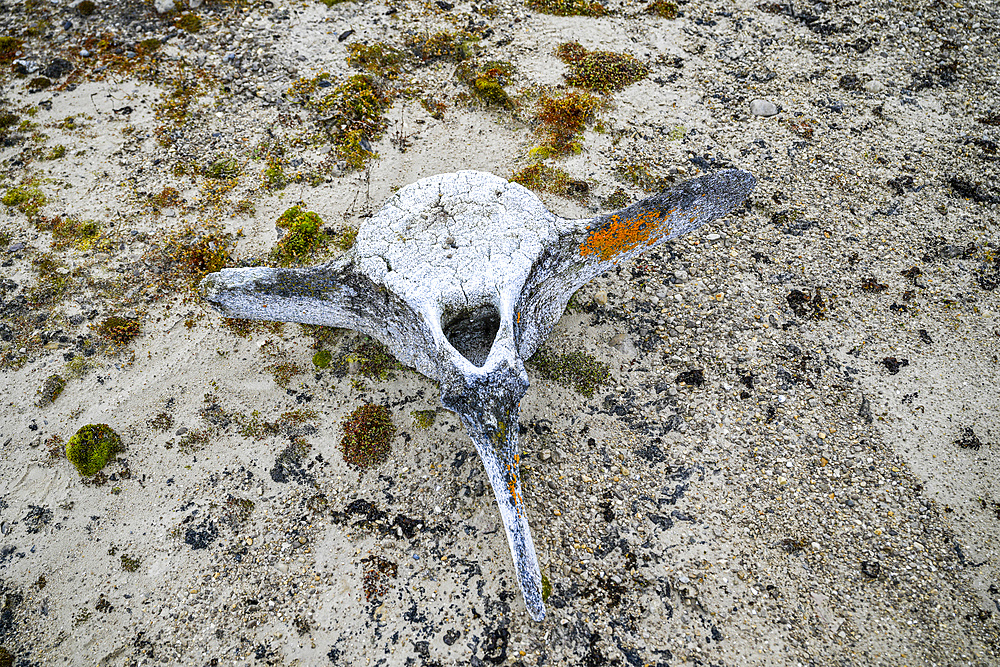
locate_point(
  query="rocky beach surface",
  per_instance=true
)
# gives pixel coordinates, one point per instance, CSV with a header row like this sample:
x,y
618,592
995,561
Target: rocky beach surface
x,y
772,442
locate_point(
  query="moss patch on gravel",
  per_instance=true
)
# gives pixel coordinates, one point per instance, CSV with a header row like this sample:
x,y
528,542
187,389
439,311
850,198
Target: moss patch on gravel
x,y
92,447
368,434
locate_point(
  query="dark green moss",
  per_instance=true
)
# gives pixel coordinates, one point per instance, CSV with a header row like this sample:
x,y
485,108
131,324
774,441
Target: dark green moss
x,y
602,71
302,236
274,174
9,47
546,588
39,83
352,115
130,563
26,198
223,169
86,8
379,59
189,22
561,120
372,359
424,418
454,46
118,331
662,8
368,434
92,447
53,386
576,369
568,7
487,81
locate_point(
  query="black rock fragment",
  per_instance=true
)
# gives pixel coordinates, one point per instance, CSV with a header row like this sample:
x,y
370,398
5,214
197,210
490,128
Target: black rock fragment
x,y
893,365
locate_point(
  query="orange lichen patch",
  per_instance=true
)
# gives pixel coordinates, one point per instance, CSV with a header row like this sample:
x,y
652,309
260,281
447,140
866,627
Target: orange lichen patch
x,y
619,235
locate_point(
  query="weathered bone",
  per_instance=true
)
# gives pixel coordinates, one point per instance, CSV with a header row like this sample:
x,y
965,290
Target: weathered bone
x,y
463,276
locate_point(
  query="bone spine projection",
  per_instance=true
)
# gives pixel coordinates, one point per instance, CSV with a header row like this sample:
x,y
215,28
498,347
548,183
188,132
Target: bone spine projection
x,y
463,276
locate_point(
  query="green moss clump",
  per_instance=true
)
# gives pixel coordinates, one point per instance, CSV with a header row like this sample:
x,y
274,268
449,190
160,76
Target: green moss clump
x,y
379,58
423,418
345,238
92,447
368,434
302,236
39,83
662,8
53,386
353,117
373,360
118,331
561,120
568,7
274,174
487,81
130,563
640,173
331,3
247,328
603,71
577,369
546,588
86,8
150,45
223,169
7,121
190,254
6,658
28,199
322,359
189,22
9,47
284,372
80,234
55,153
542,178
617,199
454,46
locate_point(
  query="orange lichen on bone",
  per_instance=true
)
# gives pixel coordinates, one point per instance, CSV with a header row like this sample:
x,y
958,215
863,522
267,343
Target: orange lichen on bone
x,y
618,235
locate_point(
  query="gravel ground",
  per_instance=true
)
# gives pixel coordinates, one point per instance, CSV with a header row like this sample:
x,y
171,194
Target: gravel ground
x,y
793,462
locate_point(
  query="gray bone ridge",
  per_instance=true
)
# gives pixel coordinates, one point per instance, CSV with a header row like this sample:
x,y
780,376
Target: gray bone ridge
x,y
463,276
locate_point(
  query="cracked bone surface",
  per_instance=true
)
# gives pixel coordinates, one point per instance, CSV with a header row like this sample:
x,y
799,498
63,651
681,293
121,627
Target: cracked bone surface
x,y
463,276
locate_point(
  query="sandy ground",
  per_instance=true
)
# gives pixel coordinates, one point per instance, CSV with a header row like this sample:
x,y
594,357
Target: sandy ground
x,y
814,501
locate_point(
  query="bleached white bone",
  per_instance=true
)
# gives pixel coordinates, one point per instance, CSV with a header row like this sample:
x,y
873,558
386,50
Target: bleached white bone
x,y
463,276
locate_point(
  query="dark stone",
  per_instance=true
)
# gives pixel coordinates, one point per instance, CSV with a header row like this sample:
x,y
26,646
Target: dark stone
x,y
57,68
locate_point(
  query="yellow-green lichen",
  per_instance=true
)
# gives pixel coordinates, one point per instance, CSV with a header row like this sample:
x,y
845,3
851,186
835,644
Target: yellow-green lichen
x,y
92,447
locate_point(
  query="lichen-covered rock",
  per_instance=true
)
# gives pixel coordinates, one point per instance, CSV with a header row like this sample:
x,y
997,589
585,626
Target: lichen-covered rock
x,y
92,447
463,276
